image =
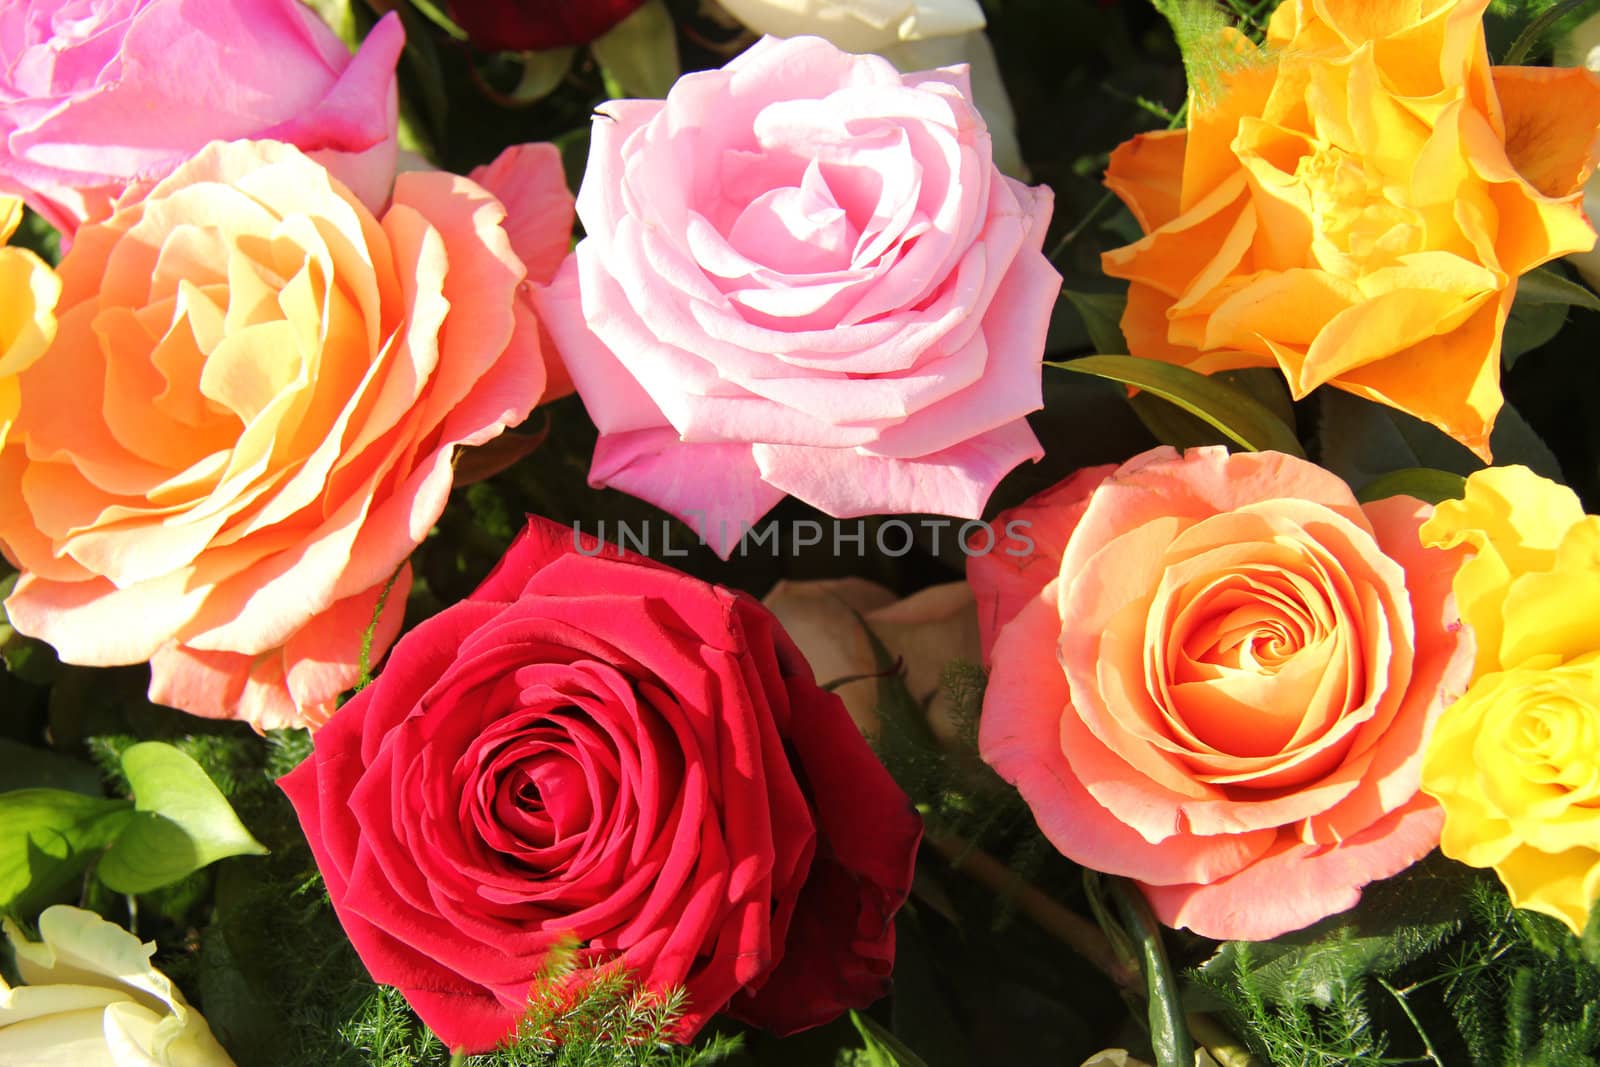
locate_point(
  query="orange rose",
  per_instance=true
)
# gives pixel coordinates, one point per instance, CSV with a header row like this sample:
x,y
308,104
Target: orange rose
x,y
247,422
1353,205
1214,674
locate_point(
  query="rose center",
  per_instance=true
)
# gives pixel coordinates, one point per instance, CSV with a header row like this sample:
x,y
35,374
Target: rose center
x,y
543,799
1358,228
1554,742
796,229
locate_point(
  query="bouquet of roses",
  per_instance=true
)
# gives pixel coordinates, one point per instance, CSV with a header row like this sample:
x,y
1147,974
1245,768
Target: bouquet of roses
x,y
799,532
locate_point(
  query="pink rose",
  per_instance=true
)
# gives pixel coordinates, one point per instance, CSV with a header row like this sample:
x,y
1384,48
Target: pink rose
x,y
95,94
1213,674
804,275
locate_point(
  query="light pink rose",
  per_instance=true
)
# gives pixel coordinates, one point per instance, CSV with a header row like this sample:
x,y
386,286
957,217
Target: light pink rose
x,y
804,275
95,94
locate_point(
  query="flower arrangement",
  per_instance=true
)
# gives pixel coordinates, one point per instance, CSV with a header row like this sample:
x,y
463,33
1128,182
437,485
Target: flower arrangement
x,y
771,532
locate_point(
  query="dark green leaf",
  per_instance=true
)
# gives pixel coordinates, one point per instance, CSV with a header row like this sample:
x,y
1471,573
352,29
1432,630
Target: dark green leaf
x,y
1591,937
1530,326
1546,285
1240,416
1102,318
1424,483
25,767
183,822
1361,440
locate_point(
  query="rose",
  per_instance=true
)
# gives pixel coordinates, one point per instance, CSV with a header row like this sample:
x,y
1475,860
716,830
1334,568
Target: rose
x,y
534,25
1513,762
1215,677
1516,765
28,293
923,633
595,746
860,25
1354,204
91,996
1532,585
913,36
247,422
94,96
815,285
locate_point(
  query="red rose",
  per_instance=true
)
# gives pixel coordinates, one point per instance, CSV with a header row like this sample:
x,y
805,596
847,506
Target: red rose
x,y
595,746
531,25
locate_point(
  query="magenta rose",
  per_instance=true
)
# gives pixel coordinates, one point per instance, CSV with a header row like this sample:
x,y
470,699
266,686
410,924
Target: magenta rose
x,y
595,746
533,25
803,275
95,94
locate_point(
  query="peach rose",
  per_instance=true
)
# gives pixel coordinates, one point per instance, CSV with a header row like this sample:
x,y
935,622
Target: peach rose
x,y
926,632
1353,205
248,419
1215,677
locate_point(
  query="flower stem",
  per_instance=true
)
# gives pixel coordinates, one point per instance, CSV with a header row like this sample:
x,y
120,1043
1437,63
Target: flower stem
x,y
1068,927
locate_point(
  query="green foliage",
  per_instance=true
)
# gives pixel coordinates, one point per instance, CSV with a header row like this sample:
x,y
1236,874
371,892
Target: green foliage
x,y
1200,29
1233,411
178,822
1433,967
47,838
181,822
880,1047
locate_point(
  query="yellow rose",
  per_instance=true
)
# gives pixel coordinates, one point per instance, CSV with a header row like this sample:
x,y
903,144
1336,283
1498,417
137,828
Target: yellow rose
x,y
1516,765
28,293
92,999
1353,205
1533,587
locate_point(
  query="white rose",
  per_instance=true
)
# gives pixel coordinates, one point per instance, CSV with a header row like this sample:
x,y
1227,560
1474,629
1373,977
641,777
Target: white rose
x,y
859,25
90,998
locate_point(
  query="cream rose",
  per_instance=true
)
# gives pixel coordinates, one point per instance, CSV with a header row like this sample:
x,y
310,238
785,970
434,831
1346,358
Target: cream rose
x,y
90,998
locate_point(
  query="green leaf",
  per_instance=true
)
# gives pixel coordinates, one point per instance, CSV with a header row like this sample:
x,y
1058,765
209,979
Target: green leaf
x,y
1546,285
1102,318
47,837
882,1047
639,55
1540,310
1360,440
183,822
1529,326
1244,419
1424,483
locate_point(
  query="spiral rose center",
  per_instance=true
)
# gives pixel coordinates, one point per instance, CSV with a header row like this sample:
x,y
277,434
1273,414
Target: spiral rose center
x,y
545,799
1554,742
1249,654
